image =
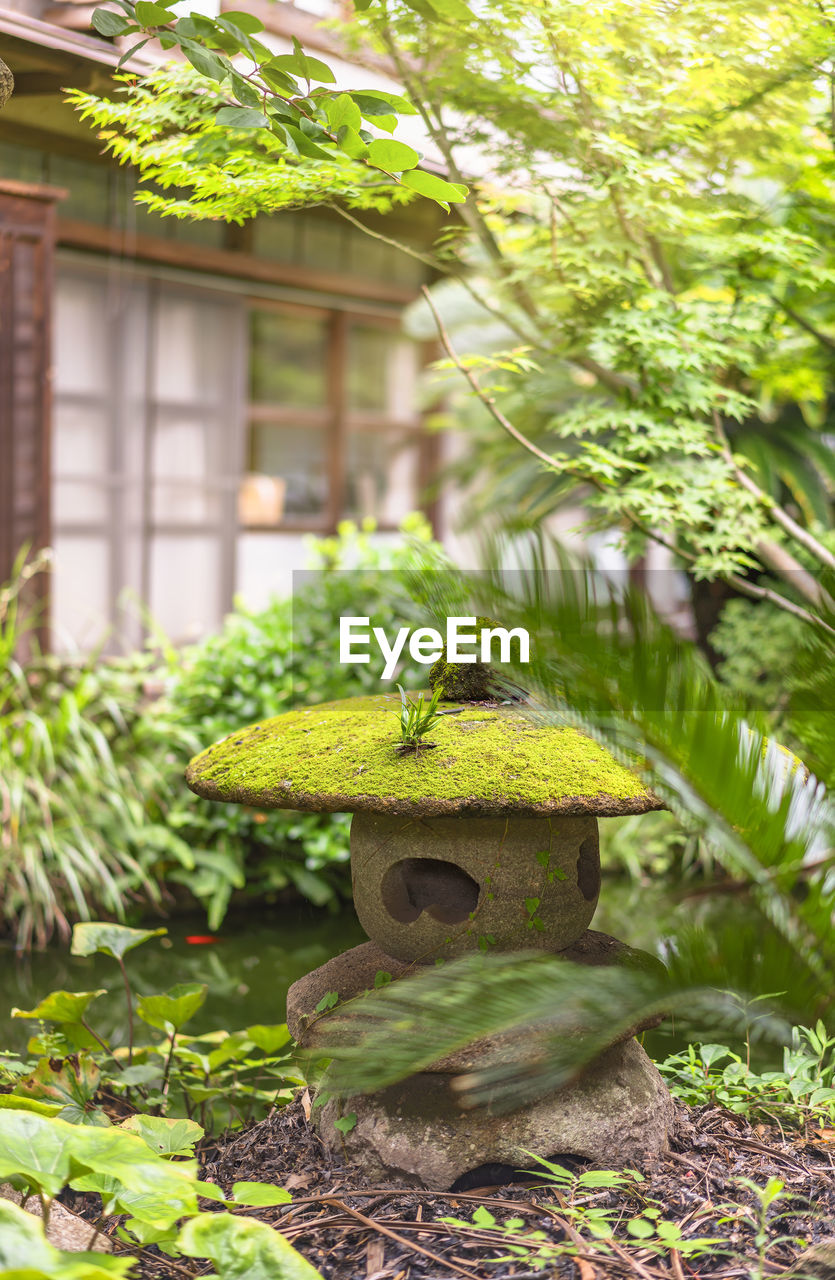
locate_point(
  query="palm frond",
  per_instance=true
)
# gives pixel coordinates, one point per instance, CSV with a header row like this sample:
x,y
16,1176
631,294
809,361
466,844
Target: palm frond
x,y
552,1018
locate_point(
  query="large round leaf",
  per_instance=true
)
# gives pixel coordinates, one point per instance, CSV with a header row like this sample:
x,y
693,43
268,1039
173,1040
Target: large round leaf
x,y
394,156
174,1008
244,1249
111,939
61,1006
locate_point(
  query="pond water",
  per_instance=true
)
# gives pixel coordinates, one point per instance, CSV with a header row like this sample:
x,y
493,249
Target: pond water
x,y
252,961
248,966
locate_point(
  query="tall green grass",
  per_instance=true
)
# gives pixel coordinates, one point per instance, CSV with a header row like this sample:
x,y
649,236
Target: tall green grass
x,y
85,781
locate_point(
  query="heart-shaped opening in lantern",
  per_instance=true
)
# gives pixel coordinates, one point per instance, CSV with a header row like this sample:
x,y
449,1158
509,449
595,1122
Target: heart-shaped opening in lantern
x,y
440,888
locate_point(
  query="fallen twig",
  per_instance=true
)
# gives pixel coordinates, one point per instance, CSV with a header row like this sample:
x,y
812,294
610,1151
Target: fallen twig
x,y
377,1226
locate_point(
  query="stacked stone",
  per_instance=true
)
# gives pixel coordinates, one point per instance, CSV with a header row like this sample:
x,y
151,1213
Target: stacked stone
x,y
489,839
6,83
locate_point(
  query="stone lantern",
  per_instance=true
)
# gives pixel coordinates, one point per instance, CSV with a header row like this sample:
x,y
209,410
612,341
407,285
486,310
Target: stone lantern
x,y
488,839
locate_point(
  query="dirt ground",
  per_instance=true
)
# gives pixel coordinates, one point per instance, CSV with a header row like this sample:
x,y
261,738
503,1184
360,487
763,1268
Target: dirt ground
x,y
350,1230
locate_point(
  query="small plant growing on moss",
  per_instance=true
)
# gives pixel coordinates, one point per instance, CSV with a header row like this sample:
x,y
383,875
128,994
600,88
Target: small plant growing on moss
x,y
416,720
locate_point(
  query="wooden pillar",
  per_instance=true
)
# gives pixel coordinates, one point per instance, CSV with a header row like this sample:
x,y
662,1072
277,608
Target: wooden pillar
x,y
27,238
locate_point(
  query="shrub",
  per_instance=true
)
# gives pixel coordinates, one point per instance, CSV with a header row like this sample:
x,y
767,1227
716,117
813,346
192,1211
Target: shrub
x,y
782,669
261,663
759,645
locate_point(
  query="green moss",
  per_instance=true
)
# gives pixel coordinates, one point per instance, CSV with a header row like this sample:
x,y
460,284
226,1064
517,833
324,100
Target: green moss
x,y
342,755
464,681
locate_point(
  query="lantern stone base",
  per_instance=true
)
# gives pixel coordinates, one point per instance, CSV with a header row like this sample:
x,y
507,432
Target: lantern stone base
x,y
353,972
414,1134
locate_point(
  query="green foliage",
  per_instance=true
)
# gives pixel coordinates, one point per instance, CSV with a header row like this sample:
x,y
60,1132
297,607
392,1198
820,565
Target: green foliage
x,y
802,1092
174,1008
813,696
263,111
67,1085
61,1006
109,939
94,810
243,1249
587,1225
259,1194
166,1137
782,669
648,214
158,1193
143,1168
417,719
655,847
47,1152
611,667
26,1253
87,779
758,645
263,663
186,116
224,1078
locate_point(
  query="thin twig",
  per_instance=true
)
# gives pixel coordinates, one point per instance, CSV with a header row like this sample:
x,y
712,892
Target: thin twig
x,y
167,1072
427,1253
801,320
425,258
788,606
487,400
103,1043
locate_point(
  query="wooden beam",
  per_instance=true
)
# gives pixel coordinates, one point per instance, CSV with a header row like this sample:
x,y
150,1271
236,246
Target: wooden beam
x,y
29,83
74,234
31,191
62,144
45,35
337,399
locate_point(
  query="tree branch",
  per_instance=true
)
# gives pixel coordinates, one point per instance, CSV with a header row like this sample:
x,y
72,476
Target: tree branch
x,y
821,553
470,211
741,584
490,404
801,320
791,570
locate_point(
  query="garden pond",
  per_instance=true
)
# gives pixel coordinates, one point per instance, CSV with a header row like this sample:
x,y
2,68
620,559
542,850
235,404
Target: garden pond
x,y
255,957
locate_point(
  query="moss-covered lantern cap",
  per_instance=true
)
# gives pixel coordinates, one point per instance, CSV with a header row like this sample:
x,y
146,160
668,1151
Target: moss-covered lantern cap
x,y
342,756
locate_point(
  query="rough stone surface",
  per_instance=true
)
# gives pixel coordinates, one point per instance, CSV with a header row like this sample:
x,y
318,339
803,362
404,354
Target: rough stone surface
x,y
352,974
817,1263
433,888
342,756
6,83
463,681
466,681
413,1134
65,1229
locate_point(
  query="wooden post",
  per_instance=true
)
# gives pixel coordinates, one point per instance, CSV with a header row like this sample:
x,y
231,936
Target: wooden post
x,y
27,238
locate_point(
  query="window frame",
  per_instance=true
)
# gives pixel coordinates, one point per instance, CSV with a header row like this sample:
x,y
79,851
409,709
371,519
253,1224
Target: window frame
x,y
336,417
130,541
